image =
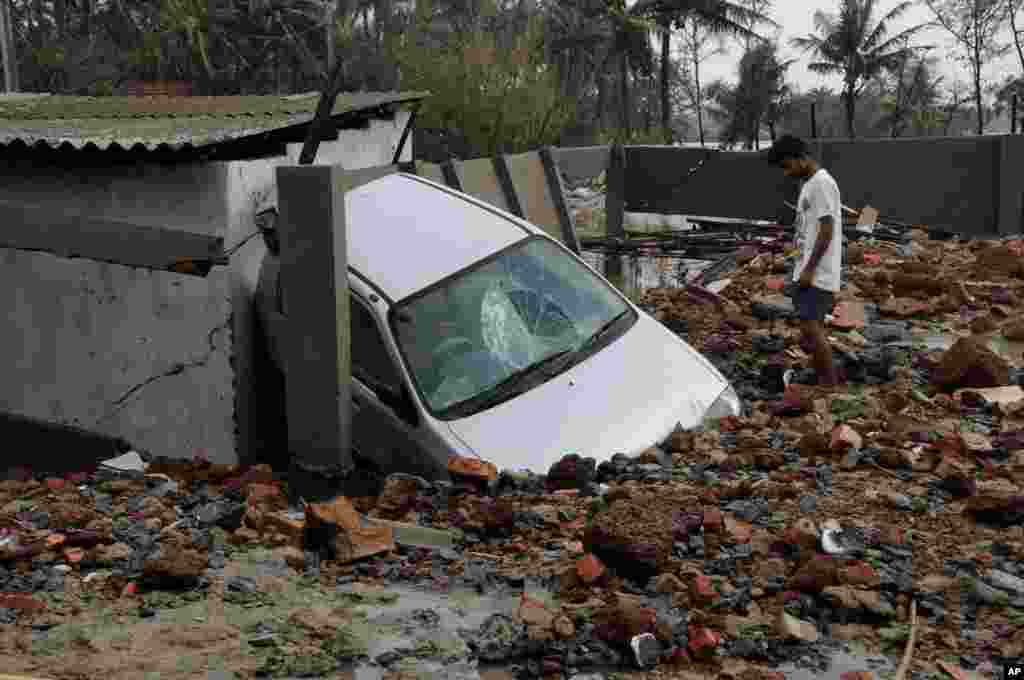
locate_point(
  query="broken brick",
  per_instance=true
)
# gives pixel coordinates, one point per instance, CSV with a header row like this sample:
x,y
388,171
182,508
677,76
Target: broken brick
x,y
334,527
844,438
20,602
590,569
702,641
703,589
849,315
859,574
713,521
472,468
258,492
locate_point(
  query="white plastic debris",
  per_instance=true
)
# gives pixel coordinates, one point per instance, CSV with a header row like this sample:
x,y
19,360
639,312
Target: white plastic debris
x,y
129,462
832,538
646,650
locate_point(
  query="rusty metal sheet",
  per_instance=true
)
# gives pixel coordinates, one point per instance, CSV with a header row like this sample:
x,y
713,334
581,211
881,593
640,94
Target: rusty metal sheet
x,y
531,186
481,181
69,234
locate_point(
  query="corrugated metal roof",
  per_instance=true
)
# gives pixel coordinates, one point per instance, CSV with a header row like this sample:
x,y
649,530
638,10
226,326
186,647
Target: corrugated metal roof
x,y
166,122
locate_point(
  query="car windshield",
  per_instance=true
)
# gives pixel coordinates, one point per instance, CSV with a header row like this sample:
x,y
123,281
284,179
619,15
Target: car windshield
x,y
468,339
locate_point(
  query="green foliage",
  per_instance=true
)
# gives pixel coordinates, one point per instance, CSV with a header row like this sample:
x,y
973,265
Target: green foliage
x,y
654,136
502,98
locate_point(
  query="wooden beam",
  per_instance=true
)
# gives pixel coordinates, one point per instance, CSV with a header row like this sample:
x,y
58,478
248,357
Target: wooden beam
x,y
409,125
508,189
73,235
557,190
451,175
324,108
316,351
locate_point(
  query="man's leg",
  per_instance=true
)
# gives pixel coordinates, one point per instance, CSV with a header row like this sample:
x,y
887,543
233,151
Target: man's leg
x,y
812,306
821,350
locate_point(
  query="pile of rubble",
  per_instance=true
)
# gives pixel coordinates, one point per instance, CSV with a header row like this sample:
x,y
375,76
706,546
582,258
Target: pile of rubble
x,y
885,511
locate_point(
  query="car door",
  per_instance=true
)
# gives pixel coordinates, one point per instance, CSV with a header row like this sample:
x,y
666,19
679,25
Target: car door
x,y
391,438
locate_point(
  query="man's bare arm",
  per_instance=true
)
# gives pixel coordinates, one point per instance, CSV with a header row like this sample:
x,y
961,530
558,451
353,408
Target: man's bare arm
x,y
825,230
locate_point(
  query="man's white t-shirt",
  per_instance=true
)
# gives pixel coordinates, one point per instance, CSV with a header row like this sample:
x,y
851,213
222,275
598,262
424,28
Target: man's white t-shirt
x,y
819,196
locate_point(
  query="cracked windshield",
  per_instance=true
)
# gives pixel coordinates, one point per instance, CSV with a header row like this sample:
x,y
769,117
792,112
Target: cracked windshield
x,y
474,332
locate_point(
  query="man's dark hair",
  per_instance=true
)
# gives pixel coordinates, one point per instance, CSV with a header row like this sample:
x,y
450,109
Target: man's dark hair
x,y
785,147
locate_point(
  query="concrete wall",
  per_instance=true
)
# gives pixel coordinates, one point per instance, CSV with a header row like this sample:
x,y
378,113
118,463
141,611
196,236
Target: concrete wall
x,y
251,189
950,183
969,185
1011,193
728,184
98,346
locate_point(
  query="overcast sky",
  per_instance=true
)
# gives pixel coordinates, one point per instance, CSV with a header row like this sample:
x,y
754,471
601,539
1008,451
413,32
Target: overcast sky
x,y
796,18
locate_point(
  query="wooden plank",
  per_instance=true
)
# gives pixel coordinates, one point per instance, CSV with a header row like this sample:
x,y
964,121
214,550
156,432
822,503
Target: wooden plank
x,y
526,171
479,180
556,190
71,234
324,107
508,189
451,175
316,352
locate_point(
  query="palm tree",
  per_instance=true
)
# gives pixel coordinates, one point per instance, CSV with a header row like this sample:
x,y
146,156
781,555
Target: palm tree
x,y
718,16
853,45
586,39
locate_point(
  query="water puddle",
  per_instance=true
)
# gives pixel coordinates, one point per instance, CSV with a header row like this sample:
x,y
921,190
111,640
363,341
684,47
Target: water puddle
x,y
643,272
842,660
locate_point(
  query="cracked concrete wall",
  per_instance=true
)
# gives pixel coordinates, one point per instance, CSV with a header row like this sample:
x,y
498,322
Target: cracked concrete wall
x,y
251,188
126,352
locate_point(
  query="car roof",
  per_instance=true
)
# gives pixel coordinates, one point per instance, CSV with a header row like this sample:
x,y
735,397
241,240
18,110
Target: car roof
x,y
405,232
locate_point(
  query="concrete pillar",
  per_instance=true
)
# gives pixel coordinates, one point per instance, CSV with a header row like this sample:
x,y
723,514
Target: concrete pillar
x,y
316,346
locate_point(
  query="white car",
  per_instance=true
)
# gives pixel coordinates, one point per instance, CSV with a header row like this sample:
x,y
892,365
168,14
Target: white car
x,y
476,334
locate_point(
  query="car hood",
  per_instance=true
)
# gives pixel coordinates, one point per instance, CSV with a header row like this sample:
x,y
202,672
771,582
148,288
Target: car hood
x,y
622,399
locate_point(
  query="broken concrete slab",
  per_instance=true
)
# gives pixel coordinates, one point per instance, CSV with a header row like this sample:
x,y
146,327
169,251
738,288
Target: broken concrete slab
x,y
335,527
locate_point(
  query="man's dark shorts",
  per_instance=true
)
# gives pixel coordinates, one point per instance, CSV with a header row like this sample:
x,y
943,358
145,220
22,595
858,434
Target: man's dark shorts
x,y
812,304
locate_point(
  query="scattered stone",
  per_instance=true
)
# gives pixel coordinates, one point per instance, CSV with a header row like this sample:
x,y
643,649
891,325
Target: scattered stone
x,y
968,363
792,628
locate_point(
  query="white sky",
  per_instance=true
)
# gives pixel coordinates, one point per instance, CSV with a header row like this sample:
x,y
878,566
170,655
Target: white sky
x,y
796,19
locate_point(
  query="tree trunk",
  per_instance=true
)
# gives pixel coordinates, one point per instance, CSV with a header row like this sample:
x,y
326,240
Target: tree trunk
x,y
1016,36
7,51
977,88
330,33
601,101
699,97
851,108
666,112
624,95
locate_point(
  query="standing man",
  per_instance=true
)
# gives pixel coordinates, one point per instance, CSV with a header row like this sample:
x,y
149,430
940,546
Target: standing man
x,y
819,240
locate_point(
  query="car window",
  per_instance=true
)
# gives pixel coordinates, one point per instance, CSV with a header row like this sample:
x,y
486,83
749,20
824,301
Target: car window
x,y
370,357
475,330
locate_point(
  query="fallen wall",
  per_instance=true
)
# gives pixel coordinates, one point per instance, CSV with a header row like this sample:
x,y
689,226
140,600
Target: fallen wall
x,y
155,358
125,352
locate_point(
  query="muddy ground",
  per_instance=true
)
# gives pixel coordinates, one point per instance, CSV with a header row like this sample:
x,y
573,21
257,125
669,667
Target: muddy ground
x,y
790,542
